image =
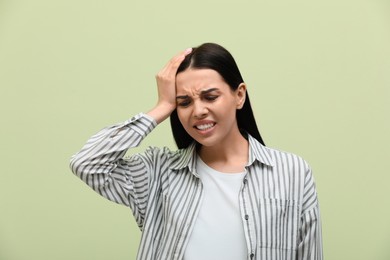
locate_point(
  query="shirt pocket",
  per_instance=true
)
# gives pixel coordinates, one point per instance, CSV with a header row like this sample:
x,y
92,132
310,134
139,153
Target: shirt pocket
x,y
279,221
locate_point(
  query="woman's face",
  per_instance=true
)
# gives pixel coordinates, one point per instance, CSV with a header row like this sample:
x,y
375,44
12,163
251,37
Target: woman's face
x,y
206,106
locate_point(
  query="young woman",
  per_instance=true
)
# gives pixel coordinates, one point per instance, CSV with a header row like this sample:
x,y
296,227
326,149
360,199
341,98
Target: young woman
x,y
222,194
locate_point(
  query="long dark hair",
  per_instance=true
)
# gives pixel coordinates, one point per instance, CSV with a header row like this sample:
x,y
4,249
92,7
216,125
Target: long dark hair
x,y
215,57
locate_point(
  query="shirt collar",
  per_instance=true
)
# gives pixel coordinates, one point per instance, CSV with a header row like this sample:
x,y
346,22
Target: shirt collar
x,y
257,152
185,158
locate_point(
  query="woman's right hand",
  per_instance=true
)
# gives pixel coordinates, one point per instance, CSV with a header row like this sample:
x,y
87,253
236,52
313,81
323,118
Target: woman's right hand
x,y
166,86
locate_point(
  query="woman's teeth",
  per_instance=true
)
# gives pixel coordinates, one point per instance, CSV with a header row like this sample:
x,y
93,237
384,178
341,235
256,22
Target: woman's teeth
x,y
205,126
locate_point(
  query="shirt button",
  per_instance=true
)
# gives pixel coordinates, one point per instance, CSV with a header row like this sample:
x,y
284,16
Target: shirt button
x,y
252,255
246,217
245,181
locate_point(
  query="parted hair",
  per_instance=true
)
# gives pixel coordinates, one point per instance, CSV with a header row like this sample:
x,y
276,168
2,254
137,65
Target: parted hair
x,y
215,57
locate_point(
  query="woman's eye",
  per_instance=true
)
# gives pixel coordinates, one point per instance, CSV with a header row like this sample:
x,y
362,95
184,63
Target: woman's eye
x,y
211,98
184,103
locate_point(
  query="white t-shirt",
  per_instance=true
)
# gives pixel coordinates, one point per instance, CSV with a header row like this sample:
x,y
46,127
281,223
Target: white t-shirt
x,y
218,232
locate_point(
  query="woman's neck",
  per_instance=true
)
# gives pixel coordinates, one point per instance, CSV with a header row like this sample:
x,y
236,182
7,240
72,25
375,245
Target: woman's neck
x,y
228,157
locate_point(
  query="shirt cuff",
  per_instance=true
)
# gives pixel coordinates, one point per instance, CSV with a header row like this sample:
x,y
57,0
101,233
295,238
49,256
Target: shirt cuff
x,y
142,123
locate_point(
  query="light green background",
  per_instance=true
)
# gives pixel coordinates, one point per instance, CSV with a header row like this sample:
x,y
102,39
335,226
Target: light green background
x,y
318,74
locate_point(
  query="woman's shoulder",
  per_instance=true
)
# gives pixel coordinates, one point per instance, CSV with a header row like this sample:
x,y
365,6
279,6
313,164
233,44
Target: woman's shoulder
x,y
277,157
280,154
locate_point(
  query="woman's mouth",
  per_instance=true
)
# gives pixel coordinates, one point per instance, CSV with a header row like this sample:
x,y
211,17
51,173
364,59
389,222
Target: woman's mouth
x,y
204,127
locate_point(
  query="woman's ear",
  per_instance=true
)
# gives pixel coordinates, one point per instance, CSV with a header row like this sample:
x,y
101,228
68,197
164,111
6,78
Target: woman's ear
x,y
240,95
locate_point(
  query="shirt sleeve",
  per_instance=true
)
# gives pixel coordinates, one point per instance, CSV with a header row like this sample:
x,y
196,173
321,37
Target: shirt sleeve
x,y
101,166
310,238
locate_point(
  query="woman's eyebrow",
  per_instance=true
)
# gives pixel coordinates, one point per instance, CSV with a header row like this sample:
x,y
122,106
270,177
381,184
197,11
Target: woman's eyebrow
x,y
208,91
203,92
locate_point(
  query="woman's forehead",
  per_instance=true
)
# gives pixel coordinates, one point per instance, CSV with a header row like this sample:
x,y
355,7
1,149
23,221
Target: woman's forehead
x,y
198,80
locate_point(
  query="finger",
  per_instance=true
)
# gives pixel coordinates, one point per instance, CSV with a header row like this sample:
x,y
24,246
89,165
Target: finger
x,y
180,56
174,62
182,53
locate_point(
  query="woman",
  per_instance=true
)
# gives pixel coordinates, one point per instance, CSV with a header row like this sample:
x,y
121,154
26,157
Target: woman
x,y
223,194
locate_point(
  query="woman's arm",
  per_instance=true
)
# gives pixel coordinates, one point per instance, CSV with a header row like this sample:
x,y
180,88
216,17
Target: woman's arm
x,y
310,245
100,162
101,166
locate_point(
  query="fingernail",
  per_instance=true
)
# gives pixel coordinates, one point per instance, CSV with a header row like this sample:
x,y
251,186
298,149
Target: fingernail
x,y
188,51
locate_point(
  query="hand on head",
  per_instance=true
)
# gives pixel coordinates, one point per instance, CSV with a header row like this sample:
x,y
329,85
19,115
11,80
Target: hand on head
x,y
166,87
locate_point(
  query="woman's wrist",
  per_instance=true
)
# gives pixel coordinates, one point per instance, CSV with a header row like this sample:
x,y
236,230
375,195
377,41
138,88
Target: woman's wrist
x,y
161,112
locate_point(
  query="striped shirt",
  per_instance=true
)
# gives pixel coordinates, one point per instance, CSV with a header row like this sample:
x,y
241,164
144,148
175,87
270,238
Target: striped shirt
x,y
277,200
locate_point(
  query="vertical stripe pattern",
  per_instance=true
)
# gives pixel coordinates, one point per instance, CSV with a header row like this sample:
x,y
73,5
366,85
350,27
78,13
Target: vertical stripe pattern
x,y
278,200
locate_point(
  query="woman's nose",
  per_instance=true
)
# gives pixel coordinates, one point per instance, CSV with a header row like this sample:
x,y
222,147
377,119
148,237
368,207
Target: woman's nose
x,y
200,109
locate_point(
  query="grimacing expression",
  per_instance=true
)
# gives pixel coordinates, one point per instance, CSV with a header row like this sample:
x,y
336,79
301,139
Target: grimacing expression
x,y
206,105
